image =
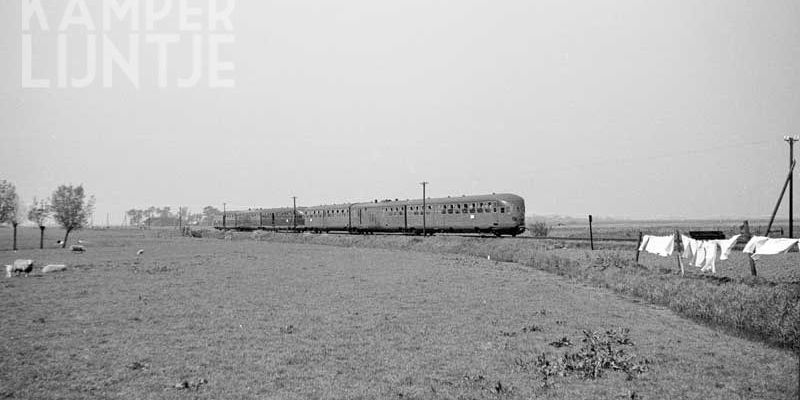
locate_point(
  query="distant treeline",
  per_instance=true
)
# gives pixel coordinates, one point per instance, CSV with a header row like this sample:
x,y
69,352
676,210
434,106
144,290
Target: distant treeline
x,y
165,216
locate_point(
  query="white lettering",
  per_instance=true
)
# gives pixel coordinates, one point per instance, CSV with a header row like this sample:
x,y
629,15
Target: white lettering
x,y
121,11
197,61
130,66
151,16
161,41
31,8
215,16
27,66
91,63
185,13
70,18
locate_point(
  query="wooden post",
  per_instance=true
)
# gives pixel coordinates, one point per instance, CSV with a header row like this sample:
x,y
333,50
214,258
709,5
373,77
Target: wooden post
x,y
746,236
591,236
679,249
780,197
638,243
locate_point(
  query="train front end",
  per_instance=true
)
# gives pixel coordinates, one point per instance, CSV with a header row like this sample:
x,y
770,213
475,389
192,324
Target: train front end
x,y
512,222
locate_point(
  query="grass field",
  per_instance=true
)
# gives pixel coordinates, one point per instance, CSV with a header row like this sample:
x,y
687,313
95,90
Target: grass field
x,y
254,319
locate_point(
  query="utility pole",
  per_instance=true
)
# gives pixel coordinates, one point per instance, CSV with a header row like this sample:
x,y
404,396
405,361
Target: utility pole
x,y
791,140
424,209
224,215
294,212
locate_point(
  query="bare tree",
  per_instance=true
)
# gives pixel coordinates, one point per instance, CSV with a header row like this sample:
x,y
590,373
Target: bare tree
x,y
71,209
38,213
9,206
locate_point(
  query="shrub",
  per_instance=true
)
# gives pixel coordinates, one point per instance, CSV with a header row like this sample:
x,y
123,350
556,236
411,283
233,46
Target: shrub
x,y
539,229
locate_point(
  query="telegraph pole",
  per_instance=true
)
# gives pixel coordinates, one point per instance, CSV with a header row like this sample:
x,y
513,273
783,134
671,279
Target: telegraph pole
x,y
294,212
791,140
424,209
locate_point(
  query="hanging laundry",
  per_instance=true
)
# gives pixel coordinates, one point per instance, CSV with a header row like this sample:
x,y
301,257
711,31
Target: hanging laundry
x,y
690,247
754,243
726,245
708,263
661,245
703,253
760,245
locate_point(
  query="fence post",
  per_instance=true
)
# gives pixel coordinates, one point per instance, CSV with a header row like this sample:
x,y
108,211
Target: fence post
x,y
638,243
746,236
679,249
591,236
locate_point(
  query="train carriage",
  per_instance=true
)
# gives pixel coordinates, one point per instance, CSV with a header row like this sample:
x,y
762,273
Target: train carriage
x,y
335,217
286,218
499,214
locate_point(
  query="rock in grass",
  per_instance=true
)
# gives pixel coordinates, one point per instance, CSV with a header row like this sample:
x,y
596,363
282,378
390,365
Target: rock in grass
x,y
53,268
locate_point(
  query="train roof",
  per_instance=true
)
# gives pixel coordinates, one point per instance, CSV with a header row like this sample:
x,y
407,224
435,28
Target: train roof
x,y
328,206
446,200
269,210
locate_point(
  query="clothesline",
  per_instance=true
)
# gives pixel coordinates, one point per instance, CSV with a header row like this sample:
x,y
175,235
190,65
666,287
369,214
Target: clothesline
x,y
704,253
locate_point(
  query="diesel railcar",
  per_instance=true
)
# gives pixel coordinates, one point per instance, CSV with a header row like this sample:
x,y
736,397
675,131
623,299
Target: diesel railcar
x,y
499,214
262,218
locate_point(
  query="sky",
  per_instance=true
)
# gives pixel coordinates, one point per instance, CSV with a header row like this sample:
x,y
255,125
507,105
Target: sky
x,y
637,109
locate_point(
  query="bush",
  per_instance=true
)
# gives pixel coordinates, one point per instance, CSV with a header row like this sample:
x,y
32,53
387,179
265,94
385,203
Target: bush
x,y
539,229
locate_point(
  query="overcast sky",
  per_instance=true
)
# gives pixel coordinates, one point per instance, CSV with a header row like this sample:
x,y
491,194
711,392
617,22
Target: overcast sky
x,y
614,108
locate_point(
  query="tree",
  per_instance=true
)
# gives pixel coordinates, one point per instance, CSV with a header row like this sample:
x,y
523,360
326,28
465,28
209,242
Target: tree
x,y
71,209
9,206
150,212
38,213
210,212
16,217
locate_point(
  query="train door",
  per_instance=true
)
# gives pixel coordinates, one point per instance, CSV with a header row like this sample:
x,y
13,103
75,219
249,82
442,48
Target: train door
x,y
405,217
273,220
494,213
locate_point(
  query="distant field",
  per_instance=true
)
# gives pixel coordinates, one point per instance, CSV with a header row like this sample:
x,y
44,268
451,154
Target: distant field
x,y
631,229
250,319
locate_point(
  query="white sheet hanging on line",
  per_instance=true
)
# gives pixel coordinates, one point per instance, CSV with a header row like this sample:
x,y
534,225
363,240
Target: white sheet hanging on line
x,y
690,247
725,246
754,243
770,246
709,262
661,245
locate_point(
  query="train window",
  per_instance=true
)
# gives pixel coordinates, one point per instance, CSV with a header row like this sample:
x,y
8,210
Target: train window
x,y
502,210
449,210
444,210
495,209
480,210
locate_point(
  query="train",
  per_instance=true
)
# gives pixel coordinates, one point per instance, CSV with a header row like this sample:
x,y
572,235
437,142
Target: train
x,y
497,213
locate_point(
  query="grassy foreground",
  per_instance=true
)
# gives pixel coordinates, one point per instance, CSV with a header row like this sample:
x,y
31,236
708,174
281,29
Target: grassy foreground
x,y
214,319
769,310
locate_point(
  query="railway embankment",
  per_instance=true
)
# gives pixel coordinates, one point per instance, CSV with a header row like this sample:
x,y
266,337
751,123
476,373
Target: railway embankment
x,y
757,308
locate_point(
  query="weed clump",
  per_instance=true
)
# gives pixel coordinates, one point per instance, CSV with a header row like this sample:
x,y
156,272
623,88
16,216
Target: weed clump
x,y
599,353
